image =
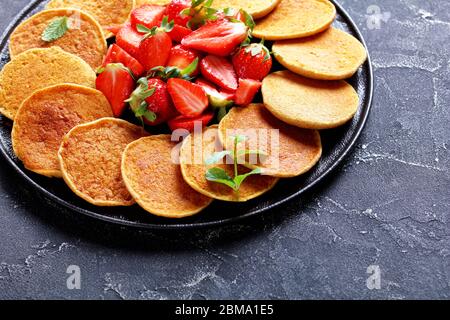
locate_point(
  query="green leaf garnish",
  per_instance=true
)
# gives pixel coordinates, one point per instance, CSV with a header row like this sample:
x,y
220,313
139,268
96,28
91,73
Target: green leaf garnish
x,y
55,29
219,175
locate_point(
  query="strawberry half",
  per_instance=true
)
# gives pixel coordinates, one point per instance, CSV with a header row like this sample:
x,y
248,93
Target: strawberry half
x,y
129,39
116,54
154,49
219,38
148,15
219,71
117,84
182,57
247,91
189,99
216,98
179,33
253,62
188,124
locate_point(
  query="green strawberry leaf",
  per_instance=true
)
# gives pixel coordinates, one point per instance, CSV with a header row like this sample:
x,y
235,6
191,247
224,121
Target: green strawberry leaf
x,y
56,29
190,68
219,175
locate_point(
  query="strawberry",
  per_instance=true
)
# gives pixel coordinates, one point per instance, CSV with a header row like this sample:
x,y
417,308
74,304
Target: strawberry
x,y
147,15
247,90
219,37
189,98
188,124
151,102
174,10
253,62
181,58
129,39
219,71
179,33
116,83
116,54
216,99
155,46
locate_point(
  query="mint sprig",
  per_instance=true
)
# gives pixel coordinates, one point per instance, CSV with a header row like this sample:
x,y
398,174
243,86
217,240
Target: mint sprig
x,y
55,29
218,175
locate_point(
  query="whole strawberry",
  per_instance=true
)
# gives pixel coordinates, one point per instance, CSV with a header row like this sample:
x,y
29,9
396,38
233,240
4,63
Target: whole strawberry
x,y
154,49
252,62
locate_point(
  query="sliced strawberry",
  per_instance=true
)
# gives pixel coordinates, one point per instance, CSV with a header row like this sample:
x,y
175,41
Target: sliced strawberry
x,y
219,38
155,46
129,39
160,102
189,99
148,15
182,57
246,92
116,54
188,124
117,84
219,71
179,33
253,62
174,10
210,89
229,95
216,99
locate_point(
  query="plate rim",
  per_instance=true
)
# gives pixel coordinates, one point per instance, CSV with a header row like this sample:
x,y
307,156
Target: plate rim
x,y
211,224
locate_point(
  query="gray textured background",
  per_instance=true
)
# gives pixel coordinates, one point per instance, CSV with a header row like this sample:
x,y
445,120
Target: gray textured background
x,y
388,205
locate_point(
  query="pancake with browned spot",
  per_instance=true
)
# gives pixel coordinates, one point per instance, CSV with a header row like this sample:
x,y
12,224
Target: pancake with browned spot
x,y
90,157
153,177
293,19
288,151
84,38
258,9
46,116
36,69
106,12
197,149
330,55
308,103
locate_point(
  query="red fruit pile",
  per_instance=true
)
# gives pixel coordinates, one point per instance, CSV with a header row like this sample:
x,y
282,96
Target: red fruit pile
x,y
182,63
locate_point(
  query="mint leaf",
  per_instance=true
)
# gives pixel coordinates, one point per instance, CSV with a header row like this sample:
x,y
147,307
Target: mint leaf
x,y
219,175
55,29
240,179
216,157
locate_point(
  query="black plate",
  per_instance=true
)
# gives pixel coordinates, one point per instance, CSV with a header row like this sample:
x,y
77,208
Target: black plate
x,y
336,145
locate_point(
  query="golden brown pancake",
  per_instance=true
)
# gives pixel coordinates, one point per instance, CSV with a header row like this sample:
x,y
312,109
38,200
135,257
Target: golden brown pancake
x,y
257,9
194,170
157,2
46,116
91,156
155,180
289,151
85,37
36,69
308,103
330,55
293,19
106,12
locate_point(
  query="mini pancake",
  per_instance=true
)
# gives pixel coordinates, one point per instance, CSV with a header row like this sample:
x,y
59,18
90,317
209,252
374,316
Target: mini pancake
x,y
46,116
258,9
330,55
140,3
289,151
194,170
36,69
293,19
90,157
155,180
308,103
84,38
106,12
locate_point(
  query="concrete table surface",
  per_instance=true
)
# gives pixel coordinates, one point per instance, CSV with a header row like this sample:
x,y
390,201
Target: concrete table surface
x,y
385,212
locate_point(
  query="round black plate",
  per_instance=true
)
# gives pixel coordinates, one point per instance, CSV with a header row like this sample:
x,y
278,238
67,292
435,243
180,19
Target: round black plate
x,y
336,143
